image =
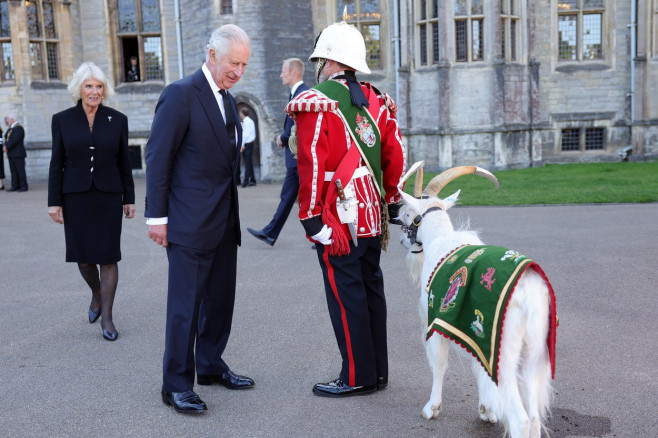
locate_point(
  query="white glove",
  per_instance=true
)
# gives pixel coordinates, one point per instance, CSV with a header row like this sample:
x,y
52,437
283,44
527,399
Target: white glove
x,y
324,236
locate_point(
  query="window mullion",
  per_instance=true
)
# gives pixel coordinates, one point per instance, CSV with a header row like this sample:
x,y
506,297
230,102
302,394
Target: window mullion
x,y
579,36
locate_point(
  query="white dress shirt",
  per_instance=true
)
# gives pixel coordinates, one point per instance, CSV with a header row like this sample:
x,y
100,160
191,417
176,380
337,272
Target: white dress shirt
x,y
248,130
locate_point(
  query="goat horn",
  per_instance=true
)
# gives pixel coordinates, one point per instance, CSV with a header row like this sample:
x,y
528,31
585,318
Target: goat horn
x,y
418,183
437,184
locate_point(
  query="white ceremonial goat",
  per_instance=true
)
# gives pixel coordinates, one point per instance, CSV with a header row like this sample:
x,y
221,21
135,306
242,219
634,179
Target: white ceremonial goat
x,y
522,398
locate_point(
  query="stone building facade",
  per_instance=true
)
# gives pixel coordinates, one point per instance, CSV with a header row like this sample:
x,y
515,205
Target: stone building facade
x,y
500,84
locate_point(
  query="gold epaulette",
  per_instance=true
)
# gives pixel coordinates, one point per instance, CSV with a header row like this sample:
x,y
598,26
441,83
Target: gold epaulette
x,y
311,101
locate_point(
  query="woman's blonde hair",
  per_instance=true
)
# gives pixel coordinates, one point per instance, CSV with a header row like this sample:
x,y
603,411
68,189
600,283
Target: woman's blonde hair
x,y
88,70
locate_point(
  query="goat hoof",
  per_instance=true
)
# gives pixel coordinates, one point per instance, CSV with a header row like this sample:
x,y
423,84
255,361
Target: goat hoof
x,y
430,411
487,416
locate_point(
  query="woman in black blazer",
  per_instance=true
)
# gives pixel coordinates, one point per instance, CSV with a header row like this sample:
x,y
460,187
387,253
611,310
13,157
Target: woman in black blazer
x,y
91,185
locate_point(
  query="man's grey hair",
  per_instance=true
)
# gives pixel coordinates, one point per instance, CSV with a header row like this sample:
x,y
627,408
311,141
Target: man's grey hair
x,y
88,70
223,37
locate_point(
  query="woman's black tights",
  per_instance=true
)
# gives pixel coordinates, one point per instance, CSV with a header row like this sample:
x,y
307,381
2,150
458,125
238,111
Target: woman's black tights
x,y
103,288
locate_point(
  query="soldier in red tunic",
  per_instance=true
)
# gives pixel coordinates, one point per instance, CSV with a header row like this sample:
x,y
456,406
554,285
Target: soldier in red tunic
x,y
350,160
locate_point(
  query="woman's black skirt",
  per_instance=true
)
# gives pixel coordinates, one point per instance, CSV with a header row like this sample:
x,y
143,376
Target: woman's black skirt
x,y
92,226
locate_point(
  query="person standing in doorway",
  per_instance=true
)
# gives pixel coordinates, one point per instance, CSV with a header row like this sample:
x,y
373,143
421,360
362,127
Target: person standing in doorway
x,y
292,72
248,143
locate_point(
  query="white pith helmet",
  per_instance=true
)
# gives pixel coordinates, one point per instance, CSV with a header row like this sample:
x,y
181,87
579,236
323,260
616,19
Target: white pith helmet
x,y
342,42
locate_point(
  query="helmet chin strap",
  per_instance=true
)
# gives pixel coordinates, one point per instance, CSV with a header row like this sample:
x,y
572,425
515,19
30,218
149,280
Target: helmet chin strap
x,y
318,69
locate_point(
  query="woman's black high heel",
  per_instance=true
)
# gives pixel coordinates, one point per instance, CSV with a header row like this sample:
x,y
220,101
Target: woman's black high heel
x,y
93,316
108,335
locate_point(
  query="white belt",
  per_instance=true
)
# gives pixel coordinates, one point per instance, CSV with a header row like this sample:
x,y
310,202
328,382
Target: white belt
x,y
358,173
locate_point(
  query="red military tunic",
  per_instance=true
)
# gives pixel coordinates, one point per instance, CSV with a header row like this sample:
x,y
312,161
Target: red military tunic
x,y
322,141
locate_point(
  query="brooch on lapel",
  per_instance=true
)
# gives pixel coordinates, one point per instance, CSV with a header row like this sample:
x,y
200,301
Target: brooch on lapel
x,y
109,118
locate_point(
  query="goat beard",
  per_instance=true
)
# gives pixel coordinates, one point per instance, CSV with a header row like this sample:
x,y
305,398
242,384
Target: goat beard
x,y
414,262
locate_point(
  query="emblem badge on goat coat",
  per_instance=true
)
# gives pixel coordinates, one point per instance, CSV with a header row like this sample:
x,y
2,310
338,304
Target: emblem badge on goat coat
x,y
487,279
477,326
475,254
512,255
365,131
457,280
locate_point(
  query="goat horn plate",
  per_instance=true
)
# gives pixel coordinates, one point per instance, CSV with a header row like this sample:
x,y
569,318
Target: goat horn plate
x,y
437,183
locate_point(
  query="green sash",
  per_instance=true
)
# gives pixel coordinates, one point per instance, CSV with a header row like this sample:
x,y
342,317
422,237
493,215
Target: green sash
x,y
363,128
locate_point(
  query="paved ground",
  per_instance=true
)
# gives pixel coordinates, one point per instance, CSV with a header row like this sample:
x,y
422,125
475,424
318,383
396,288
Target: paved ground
x,y
59,378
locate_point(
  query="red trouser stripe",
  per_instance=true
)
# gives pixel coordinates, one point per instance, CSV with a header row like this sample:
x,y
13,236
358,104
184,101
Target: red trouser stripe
x,y
343,316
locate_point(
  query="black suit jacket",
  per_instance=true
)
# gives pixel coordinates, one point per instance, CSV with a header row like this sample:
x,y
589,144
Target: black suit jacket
x,y
291,161
190,165
14,142
80,158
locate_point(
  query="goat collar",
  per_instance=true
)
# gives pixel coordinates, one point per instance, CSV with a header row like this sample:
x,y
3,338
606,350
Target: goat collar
x,y
412,230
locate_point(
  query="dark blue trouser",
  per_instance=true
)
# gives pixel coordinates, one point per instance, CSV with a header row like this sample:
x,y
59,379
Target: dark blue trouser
x,y
354,287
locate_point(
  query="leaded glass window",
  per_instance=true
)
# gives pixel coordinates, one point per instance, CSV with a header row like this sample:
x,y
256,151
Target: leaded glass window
x,y
428,31
6,51
44,43
509,27
140,39
366,16
580,30
469,30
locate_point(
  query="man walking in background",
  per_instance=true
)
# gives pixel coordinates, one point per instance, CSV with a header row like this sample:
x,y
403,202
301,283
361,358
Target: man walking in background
x,y
292,73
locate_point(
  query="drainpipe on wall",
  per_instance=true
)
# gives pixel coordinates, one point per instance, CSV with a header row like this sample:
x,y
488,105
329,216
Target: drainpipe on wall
x,y
396,43
633,28
179,40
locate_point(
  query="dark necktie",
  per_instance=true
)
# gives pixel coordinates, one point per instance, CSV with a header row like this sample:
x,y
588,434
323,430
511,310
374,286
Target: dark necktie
x,y
230,117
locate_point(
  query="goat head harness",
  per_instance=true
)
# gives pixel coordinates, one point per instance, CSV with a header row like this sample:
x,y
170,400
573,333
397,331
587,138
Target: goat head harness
x,y
412,230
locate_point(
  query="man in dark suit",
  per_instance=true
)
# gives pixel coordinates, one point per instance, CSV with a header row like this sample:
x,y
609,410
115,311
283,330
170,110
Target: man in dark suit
x,y
192,210
292,73
15,150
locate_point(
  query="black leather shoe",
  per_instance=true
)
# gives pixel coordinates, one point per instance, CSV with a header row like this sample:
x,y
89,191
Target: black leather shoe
x,y
2,188
228,379
338,388
12,189
250,183
187,402
93,316
381,383
21,190
258,234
